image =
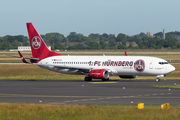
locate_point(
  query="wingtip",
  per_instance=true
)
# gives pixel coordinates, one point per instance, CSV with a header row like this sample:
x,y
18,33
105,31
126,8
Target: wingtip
x,y
125,53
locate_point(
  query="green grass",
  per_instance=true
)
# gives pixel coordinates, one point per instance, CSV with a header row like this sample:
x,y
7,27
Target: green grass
x,y
85,112
166,86
29,72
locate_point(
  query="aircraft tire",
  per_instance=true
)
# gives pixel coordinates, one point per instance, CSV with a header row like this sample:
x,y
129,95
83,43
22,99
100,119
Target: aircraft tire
x,y
88,79
157,80
105,79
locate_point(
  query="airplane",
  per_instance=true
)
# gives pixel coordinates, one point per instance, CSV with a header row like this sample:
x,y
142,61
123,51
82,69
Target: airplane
x,y
94,67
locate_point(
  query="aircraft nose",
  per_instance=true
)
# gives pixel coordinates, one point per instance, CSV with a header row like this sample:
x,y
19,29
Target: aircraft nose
x,y
172,68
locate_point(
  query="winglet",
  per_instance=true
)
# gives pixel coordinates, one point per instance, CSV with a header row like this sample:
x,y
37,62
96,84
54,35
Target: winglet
x,y
125,53
22,58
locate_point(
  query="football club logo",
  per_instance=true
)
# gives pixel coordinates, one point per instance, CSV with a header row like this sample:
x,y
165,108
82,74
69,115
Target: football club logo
x,y
139,65
36,42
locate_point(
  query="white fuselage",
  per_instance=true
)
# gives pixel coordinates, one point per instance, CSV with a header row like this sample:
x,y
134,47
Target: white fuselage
x,y
116,65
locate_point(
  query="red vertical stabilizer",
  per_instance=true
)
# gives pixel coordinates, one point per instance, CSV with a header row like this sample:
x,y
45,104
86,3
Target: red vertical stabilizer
x,y
38,47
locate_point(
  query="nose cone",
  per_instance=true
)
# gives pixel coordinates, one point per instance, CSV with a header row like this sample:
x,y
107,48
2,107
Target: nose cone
x,y
172,68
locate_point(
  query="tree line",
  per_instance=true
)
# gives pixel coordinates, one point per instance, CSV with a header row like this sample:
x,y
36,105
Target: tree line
x,y
97,41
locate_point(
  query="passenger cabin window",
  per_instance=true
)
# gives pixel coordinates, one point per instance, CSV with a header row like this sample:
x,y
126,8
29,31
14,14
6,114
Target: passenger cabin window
x,y
162,63
80,63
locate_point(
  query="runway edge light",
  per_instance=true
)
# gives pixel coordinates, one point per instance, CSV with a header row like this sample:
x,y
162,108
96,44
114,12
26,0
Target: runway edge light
x,y
140,105
165,106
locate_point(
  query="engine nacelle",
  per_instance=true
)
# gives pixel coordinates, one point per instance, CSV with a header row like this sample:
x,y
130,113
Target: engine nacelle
x,y
99,73
127,76
159,76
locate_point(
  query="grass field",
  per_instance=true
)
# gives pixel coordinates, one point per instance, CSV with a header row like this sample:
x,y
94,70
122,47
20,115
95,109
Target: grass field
x,y
85,112
166,86
32,72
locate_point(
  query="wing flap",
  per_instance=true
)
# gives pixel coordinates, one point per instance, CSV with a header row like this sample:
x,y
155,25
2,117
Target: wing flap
x,y
82,69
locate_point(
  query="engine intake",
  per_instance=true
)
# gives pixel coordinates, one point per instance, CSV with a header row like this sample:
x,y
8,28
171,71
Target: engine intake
x,y
99,73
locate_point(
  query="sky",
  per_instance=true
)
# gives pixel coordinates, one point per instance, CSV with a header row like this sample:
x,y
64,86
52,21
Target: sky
x,y
130,17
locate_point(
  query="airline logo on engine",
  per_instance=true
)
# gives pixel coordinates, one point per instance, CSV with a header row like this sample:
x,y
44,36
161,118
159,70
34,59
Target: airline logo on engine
x,y
139,65
36,42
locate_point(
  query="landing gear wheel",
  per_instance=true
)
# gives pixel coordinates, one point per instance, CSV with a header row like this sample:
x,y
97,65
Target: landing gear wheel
x,y
157,80
88,79
105,79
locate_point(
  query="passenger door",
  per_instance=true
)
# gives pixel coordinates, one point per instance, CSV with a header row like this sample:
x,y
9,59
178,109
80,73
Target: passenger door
x,y
151,65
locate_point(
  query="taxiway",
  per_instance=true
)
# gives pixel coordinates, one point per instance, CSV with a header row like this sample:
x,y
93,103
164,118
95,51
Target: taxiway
x,y
122,92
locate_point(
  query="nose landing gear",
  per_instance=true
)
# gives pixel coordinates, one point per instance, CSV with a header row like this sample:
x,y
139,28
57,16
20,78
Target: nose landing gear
x,y
157,80
159,76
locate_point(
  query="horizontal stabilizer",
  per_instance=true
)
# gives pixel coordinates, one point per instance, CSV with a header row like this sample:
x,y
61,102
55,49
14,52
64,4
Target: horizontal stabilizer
x,y
24,57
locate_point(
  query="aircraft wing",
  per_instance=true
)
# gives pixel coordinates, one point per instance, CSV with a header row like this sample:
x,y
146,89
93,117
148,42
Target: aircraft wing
x,y
63,67
83,69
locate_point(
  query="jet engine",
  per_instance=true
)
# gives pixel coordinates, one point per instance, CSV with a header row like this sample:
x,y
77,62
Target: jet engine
x,y
99,73
127,76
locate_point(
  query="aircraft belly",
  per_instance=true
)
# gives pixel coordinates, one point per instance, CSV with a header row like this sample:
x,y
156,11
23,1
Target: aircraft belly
x,y
151,73
127,71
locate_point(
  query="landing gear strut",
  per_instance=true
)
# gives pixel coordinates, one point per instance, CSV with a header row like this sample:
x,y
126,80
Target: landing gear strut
x,y
105,79
157,80
88,79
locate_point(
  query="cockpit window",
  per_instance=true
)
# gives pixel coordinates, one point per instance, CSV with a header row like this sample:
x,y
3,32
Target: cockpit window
x,y
162,63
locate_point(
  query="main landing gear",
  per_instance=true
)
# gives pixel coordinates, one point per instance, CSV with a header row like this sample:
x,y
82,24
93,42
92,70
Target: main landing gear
x,y
157,80
105,79
88,79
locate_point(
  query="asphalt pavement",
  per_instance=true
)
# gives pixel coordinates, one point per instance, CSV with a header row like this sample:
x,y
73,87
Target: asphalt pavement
x,y
114,92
